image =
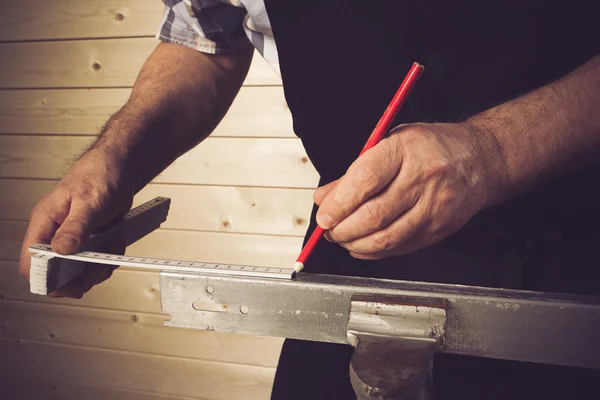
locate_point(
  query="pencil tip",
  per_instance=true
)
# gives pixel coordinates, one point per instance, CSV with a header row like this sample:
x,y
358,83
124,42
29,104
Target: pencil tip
x,y
298,266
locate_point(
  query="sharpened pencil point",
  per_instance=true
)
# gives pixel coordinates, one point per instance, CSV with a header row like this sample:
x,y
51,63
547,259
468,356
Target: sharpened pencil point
x,y
298,266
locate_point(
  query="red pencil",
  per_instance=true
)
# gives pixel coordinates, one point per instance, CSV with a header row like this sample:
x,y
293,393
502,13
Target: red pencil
x,y
378,133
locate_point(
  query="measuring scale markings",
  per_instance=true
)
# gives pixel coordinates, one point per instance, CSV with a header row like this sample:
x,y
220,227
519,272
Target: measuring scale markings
x,y
168,265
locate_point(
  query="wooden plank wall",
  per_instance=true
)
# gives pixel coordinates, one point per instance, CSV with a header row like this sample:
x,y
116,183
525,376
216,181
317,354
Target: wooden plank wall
x,y
243,196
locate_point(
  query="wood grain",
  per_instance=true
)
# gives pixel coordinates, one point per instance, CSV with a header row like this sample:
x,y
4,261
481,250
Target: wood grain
x,y
11,237
91,63
111,344
227,248
131,331
257,250
272,211
134,371
127,290
20,388
77,19
221,161
259,111
19,196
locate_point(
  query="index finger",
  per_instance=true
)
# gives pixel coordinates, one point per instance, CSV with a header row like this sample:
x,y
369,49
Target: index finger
x,y
366,177
41,229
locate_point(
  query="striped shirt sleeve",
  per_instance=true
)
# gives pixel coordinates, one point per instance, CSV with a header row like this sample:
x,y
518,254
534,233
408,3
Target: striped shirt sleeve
x,y
209,26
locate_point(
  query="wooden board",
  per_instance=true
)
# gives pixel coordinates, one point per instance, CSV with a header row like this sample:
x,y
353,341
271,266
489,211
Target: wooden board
x,y
91,63
19,388
227,248
221,161
256,112
77,19
128,290
11,237
273,211
134,371
130,331
19,196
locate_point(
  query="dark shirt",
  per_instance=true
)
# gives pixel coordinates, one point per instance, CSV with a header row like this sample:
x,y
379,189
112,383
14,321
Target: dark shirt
x,y
477,55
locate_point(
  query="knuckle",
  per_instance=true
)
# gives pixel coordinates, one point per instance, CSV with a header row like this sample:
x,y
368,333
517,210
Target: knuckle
x,y
317,196
366,177
77,222
374,214
339,202
39,206
52,204
34,211
446,199
96,197
383,241
436,168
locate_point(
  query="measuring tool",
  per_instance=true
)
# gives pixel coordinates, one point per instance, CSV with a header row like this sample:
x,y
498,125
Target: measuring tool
x,y
168,265
50,270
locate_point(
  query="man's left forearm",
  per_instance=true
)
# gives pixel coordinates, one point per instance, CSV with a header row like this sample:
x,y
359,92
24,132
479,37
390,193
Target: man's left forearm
x,y
542,134
424,182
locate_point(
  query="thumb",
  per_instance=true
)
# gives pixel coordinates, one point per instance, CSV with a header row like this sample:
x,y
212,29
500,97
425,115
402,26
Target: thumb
x,y
323,191
75,229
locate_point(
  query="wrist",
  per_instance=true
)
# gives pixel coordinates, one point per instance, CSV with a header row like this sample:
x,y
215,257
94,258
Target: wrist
x,y
491,161
111,165
119,147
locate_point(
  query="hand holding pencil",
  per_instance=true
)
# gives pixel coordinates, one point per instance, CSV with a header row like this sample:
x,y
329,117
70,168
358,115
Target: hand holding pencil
x,y
406,191
378,133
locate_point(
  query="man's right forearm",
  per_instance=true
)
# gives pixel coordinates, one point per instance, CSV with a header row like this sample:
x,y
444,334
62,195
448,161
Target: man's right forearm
x,y
178,98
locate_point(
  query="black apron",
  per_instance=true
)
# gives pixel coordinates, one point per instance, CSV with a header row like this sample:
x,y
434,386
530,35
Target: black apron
x,y
342,61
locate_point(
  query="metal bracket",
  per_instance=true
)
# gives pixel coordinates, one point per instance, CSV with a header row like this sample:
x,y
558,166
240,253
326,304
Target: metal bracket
x,y
396,327
483,322
395,339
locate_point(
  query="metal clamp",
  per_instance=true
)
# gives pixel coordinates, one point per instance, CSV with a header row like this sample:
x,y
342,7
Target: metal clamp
x,y
395,338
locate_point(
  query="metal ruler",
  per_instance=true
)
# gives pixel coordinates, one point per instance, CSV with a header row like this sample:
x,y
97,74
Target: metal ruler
x,y
50,270
168,265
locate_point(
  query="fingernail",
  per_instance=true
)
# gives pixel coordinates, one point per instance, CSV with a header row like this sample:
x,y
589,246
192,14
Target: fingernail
x,y
66,241
324,221
328,237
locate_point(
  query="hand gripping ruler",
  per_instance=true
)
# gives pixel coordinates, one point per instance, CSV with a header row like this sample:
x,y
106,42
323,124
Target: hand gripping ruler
x,y
396,327
50,270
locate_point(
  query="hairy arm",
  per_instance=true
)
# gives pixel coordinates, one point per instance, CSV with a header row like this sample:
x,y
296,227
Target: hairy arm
x,y
425,181
543,134
178,98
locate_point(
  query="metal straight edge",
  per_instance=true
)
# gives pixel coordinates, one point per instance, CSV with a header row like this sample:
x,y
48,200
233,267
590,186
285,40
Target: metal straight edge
x,y
484,322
